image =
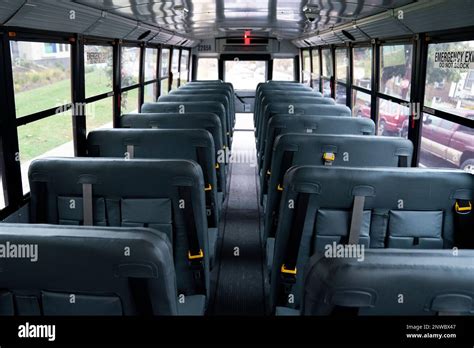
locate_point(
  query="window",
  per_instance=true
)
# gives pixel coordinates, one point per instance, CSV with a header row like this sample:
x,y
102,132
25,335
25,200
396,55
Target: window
x,y
130,66
99,114
283,69
207,69
362,74
316,74
129,101
361,104
392,118
164,86
150,93
327,72
41,80
151,61
165,62
341,94
2,186
306,67
51,136
98,62
395,70
342,65
184,67
327,63
449,79
245,74
175,68
164,71
446,144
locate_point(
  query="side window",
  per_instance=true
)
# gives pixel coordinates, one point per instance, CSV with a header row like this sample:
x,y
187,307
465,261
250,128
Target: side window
x,y
207,69
396,70
98,61
306,68
42,82
164,70
283,69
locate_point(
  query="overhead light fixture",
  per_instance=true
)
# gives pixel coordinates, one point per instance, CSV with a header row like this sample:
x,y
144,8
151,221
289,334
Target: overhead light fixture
x,y
180,8
348,35
311,11
144,35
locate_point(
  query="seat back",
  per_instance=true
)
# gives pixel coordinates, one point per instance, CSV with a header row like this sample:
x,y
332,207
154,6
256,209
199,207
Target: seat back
x,y
283,124
206,121
189,144
184,108
160,194
72,270
407,208
431,282
209,91
346,151
289,108
291,100
282,93
203,97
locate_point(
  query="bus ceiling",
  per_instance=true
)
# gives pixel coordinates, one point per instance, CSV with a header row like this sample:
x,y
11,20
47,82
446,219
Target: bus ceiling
x,y
216,26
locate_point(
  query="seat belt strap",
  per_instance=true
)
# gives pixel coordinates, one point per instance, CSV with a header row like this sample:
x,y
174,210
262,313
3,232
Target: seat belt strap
x,y
130,151
210,204
403,161
195,252
286,163
87,208
288,270
356,220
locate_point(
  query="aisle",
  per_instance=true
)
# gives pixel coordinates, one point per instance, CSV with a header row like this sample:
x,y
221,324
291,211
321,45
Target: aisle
x,y
240,278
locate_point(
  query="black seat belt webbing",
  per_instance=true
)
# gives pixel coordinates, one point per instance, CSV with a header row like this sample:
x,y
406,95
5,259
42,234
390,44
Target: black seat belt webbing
x,y
286,163
88,215
195,252
288,269
403,161
357,219
210,204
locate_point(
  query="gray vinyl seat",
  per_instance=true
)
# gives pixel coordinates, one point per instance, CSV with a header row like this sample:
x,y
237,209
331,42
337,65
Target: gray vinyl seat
x,y
189,144
184,108
166,195
432,282
85,270
295,110
282,94
397,208
283,124
290,100
211,91
215,85
310,149
207,121
203,97
263,88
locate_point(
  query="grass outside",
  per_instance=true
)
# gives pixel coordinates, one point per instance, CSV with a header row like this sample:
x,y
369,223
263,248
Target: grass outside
x,y
41,136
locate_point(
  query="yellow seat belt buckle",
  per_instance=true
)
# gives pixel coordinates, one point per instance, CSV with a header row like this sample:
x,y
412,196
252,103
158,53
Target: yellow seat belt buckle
x,y
208,187
279,187
200,255
288,271
329,157
463,209
217,166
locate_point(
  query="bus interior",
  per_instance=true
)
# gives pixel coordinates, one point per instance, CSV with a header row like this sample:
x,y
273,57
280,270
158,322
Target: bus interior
x,y
236,158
